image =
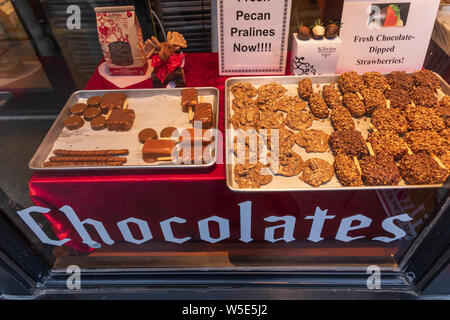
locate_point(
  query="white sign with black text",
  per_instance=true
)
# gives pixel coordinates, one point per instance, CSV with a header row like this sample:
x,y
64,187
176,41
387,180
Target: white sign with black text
x,y
385,35
253,36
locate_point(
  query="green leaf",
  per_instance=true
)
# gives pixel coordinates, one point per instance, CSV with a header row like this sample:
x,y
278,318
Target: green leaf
x,y
396,8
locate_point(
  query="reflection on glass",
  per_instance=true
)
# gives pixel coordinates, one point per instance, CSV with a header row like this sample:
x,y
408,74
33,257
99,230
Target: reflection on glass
x,y
19,65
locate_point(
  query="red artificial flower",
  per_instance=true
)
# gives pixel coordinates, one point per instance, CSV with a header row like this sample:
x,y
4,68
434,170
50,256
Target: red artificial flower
x,y
162,68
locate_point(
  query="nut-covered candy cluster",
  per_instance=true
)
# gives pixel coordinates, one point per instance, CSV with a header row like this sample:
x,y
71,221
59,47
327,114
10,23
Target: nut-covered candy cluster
x,y
407,117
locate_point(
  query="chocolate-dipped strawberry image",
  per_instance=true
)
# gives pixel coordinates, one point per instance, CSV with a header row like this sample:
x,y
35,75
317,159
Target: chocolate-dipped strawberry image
x,y
392,16
318,30
304,33
332,30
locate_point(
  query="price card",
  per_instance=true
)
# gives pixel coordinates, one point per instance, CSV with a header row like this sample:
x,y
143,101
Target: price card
x,y
385,36
253,36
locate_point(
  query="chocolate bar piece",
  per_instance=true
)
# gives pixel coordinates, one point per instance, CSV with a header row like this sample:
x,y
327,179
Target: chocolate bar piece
x,y
192,135
112,100
203,112
155,148
120,120
188,98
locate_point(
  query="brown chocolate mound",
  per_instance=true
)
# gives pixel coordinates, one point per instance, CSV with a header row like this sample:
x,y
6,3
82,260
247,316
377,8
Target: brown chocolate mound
x,y
379,170
421,169
349,142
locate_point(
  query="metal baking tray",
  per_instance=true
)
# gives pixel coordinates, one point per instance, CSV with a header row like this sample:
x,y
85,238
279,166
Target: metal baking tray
x,y
280,183
154,108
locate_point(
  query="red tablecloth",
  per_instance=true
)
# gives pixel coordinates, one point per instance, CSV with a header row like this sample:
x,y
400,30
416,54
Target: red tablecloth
x,y
110,197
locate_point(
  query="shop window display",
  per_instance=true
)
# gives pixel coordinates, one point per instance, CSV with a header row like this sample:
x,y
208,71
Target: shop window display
x,y
152,160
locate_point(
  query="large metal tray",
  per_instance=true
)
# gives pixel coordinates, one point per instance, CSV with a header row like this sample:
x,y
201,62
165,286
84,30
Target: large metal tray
x,y
280,183
154,108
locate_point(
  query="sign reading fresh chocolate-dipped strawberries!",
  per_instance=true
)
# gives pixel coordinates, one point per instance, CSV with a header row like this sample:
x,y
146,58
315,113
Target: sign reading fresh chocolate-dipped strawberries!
x,y
385,35
253,36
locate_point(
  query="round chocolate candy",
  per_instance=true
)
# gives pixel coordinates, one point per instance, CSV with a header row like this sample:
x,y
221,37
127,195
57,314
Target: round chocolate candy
x,y
78,108
94,101
73,122
146,134
91,113
98,123
167,132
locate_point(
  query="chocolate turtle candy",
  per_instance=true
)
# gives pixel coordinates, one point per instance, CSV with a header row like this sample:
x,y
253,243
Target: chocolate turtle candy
x,y
78,108
147,134
94,101
98,123
91,113
73,122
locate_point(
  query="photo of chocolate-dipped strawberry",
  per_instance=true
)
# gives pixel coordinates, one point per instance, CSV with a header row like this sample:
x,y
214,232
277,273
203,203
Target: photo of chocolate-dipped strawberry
x,y
332,30
304,33
318,30
390,15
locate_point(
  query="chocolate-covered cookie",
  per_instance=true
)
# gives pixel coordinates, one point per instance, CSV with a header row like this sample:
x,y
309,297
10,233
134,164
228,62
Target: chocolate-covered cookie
x,y
78,108
73,122
98,123
94,101
91,113
146,134
167,132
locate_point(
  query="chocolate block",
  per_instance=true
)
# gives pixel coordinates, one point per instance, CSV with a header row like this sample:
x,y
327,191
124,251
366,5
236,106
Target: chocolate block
x,y
120,120
203,112
188,98
154,148
193,135
112,100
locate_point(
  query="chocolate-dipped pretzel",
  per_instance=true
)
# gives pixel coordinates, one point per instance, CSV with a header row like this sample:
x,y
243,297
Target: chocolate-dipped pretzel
x,y
104,152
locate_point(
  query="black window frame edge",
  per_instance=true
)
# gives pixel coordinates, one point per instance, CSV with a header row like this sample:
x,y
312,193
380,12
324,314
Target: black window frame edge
x,y
428,255
21,269
433,245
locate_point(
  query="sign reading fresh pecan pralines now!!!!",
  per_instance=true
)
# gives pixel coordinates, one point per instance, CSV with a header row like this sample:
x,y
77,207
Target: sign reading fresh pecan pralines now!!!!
x,y
253,36
381,35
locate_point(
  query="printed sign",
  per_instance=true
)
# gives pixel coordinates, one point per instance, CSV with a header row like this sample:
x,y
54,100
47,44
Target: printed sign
x,y
213,229
385,35
253,36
